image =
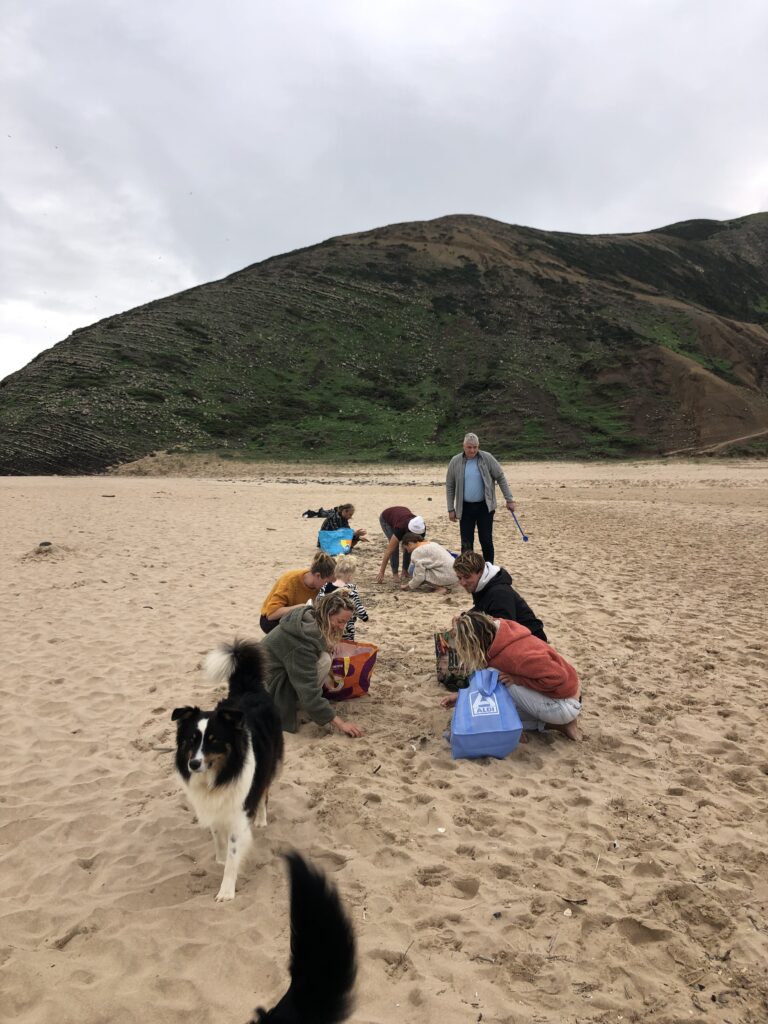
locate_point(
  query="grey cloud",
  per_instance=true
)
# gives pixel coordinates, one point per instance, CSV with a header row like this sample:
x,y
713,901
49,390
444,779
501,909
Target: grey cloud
x,y
155,146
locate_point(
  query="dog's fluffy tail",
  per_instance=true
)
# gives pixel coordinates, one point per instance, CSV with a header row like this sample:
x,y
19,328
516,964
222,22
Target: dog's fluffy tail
x,y
241,664
323,960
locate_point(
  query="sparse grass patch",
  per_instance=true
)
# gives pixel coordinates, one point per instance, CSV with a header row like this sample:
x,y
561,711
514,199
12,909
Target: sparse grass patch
x,y
681,338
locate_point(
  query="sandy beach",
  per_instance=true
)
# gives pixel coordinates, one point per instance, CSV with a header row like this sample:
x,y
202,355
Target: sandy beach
x,y
621,878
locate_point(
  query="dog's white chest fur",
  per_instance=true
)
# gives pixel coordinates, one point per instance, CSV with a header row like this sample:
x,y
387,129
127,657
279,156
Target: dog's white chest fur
x,y
218,805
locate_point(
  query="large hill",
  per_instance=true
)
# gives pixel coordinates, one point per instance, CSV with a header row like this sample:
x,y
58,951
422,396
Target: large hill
x,y
392,342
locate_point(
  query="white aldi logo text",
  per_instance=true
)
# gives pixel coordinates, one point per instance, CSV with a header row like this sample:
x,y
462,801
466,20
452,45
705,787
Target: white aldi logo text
x,y
482,704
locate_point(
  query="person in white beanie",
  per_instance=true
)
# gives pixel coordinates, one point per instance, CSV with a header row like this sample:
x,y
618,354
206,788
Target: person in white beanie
x,y
470,487
395,522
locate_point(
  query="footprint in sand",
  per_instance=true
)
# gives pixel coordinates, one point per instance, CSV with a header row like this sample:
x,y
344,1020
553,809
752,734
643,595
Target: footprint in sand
x,y
431,876
468,887
397,963
328,860
64,940
390,857
436,874
648,869
15,831
438,922
639,934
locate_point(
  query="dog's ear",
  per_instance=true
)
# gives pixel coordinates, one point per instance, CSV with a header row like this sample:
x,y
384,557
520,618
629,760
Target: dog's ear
x,y
184,713
233,716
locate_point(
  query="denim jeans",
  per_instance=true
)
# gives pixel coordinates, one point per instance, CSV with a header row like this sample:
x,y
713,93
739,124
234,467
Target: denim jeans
x,y
394,558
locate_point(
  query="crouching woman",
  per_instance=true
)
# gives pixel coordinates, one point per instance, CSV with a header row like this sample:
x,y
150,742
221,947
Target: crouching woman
x,y
543,685
299,661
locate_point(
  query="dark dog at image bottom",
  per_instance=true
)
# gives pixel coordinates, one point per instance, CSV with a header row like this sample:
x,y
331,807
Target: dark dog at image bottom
x,y
227,758
323,962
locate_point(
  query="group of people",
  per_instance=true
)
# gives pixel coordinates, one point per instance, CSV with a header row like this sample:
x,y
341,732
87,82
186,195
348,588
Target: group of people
x,y
309,611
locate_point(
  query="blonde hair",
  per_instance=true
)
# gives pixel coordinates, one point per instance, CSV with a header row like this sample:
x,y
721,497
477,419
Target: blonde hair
x,y
327,606
475,632
345,567
324,565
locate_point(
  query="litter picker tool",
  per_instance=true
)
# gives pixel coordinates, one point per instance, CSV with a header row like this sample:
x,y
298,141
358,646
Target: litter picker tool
x,y
523,534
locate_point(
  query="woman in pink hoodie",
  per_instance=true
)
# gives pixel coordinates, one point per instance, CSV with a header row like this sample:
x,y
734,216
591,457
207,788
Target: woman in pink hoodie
x,y
543,685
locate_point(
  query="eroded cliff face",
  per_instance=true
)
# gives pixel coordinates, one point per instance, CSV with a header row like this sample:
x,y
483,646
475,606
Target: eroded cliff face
x,y
390,343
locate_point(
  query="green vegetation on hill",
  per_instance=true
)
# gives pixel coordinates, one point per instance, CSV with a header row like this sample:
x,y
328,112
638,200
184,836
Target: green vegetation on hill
x,y
391,343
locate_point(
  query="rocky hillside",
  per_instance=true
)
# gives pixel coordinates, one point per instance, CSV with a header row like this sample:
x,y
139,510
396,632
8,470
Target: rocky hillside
x,y
392,342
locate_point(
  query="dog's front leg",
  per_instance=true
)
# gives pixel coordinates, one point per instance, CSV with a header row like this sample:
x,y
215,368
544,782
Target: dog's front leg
x,y
238,842
220,842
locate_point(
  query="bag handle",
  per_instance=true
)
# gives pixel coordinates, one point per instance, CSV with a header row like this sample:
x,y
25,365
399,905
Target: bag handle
x,y
485,680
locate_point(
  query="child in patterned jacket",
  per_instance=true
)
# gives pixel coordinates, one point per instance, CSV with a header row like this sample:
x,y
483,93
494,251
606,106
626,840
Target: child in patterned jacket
x,y
345,572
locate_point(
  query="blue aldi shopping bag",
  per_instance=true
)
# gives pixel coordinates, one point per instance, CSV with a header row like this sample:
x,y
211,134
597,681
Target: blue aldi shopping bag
x,y
485,721
336,542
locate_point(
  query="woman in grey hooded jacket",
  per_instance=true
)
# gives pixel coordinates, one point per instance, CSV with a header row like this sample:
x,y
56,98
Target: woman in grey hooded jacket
x,y
299,661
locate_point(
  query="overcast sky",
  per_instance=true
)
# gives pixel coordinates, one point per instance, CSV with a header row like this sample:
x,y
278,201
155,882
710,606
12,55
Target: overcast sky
x,y
151,146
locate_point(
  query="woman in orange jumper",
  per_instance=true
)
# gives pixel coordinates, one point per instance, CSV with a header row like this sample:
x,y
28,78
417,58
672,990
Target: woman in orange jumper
x,y
543,685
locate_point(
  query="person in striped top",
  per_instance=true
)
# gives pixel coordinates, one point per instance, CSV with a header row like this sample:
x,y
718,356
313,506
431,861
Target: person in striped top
x,y
345,572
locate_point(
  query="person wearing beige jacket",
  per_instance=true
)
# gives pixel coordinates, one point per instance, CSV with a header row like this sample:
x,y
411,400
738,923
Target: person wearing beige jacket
x,y
432,564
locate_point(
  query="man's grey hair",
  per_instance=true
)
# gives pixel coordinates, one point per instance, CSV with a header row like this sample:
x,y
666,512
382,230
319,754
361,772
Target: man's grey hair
x,y
471,439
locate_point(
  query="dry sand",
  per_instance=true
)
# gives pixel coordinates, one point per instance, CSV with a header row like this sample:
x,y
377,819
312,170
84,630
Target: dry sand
x,y
622,878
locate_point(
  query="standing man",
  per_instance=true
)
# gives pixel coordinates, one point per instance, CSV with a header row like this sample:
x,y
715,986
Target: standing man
x,y
471,492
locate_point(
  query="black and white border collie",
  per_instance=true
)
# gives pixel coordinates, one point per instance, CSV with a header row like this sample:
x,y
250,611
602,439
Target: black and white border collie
x,y
227,758
323,962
